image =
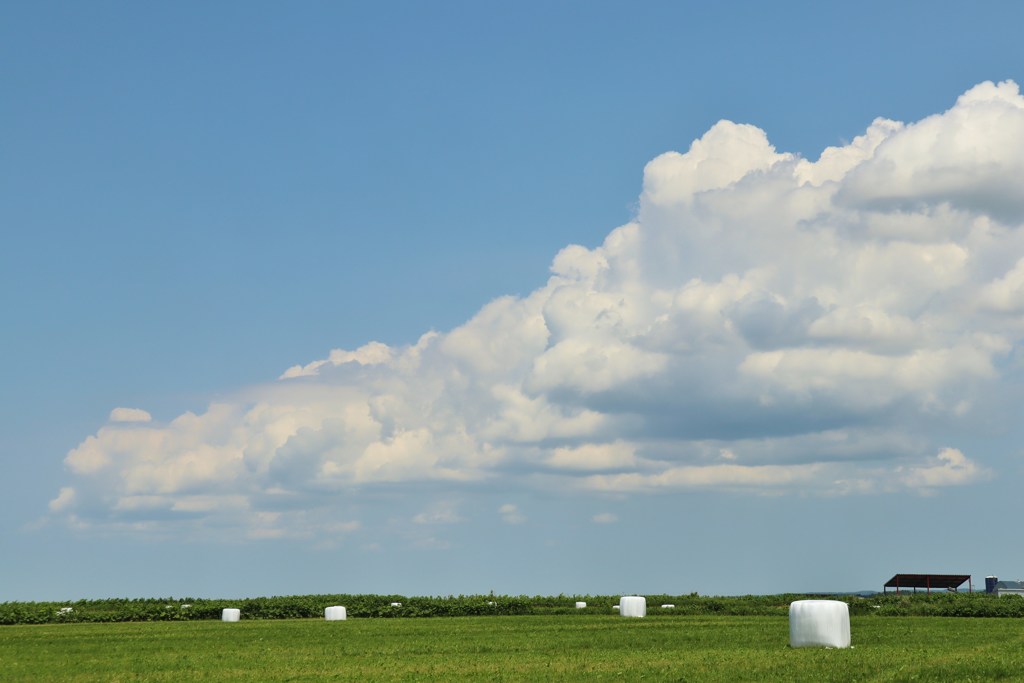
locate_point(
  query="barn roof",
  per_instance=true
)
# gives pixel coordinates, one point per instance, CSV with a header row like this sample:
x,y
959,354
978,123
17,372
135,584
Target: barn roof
x,y
927,580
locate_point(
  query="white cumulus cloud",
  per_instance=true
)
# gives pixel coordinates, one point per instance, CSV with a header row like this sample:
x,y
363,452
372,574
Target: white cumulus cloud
x,y
764,323
949,468
63,500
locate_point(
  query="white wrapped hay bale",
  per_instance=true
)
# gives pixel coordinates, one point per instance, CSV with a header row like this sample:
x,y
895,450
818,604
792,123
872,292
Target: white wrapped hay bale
x,y
633,606
581,605
335,613
668,606
819,623
231,614
396,604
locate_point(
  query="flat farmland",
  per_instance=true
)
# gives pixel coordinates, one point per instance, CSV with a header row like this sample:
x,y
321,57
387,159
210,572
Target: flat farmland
x,y
512,648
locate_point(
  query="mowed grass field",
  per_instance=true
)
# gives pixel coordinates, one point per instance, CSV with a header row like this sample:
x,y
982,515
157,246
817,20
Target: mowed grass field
x,y
512,648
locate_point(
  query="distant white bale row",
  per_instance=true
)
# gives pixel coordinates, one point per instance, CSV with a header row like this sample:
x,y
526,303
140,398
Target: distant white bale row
x,y
335,613
69,610
812,623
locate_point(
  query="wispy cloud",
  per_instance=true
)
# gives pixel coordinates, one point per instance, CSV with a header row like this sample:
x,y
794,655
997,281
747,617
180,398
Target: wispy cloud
x,y
129,415
510,514
443,512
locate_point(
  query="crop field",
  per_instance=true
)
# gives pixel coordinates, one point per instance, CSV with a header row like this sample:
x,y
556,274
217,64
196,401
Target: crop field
x,y
552,647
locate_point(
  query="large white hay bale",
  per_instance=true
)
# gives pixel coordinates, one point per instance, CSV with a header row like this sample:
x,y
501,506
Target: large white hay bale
x,y
819,623
633,606
231,614
581,605
335,613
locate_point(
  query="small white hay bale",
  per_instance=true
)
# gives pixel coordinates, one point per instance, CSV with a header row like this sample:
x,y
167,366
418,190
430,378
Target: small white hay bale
x,y
65,610
231,614
335,613
668,606
615,607
633,606
581,605
819,623
396,604
186,606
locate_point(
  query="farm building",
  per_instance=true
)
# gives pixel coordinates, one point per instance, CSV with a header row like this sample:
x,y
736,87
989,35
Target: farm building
x,y
949,582
994,585
1009,588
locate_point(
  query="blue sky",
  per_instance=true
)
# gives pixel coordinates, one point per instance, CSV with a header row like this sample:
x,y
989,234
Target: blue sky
x,y
755,373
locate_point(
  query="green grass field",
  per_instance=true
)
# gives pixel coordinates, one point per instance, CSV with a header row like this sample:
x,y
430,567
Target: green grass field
x,y
515,648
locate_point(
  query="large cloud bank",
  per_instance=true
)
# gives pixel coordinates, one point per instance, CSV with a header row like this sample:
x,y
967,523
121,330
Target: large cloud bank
x,y
766,324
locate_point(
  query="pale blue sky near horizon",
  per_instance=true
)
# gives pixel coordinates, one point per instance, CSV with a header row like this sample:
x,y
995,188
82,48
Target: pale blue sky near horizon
x,y
196,197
